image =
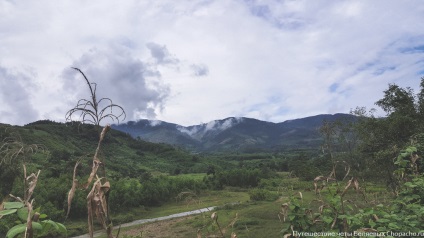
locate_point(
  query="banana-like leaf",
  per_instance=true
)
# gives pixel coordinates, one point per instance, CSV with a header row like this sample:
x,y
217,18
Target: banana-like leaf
x,y
7,212
18,229
23,213
13,205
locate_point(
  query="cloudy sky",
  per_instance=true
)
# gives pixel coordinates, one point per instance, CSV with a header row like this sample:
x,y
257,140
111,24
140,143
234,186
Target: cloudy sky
x,y
193,61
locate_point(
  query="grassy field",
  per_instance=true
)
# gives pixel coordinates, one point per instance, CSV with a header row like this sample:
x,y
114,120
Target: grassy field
x,y
195,176
254,219
246,219
236,211
178,205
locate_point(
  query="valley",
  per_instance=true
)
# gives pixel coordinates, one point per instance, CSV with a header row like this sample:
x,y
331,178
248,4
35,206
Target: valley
x,y
265,179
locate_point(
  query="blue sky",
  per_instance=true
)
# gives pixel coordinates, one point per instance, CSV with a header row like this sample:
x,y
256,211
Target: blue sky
x,y
190,62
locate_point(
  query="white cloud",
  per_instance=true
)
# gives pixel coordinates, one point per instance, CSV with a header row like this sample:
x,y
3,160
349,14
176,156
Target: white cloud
x,y
215,126
268,59
155,123
16,91
119,76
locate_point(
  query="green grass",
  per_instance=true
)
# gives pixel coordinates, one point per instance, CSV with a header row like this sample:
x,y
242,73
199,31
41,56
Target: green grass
x,y
192,176
255,219
205,199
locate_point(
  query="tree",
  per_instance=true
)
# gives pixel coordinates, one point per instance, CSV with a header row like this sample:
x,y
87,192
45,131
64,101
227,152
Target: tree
x,y
382,138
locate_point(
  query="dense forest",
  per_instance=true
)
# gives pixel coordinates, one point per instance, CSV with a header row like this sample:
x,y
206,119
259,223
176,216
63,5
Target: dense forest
x,y
355,156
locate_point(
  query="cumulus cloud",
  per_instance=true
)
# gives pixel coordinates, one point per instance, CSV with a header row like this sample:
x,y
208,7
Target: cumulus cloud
x,y
198,131
200,69
268,59
16,92
161,54
283,15
125,79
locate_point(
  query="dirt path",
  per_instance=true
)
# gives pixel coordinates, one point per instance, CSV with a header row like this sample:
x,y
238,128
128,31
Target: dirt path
x,y
171,228
152,227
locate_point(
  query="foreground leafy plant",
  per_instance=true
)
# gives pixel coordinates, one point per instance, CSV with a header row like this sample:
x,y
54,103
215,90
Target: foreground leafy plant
x,y
29,219
341,215
13,152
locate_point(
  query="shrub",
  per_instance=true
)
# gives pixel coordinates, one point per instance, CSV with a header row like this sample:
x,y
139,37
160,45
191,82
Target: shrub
x,y
258,194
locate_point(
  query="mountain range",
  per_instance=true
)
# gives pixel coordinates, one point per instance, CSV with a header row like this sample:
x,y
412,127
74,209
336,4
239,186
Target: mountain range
x,y
237,134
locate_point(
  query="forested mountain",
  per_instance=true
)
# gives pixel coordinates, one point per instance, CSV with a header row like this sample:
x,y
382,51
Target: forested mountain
x,y
54,148
235,134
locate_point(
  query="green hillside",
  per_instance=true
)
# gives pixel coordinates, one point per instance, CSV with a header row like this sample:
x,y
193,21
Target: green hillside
x,y
122,154
134,167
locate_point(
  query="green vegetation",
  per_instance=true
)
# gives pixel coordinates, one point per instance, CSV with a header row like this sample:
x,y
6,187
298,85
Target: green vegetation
x,y
366,177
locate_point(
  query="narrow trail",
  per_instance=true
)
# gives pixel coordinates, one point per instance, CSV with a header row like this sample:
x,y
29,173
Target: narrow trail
x,y
142,221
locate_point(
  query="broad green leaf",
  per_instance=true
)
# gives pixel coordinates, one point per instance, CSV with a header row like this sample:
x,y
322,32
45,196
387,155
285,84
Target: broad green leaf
x,y
43,216
382,220
62,228
327,220
16,230
7,212
51,223
410,185
411,149
36,226
371,223
23,213
57,226
393,226
12,205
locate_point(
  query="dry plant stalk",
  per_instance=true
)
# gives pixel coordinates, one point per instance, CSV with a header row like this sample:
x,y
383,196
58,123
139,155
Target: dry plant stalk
x,y
414,166
71,192
324,181
231,224
12,147
214,218
89,109
284,211
30,182
97,198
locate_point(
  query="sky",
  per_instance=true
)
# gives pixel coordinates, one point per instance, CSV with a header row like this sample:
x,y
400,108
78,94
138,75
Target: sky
x,y
194,61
